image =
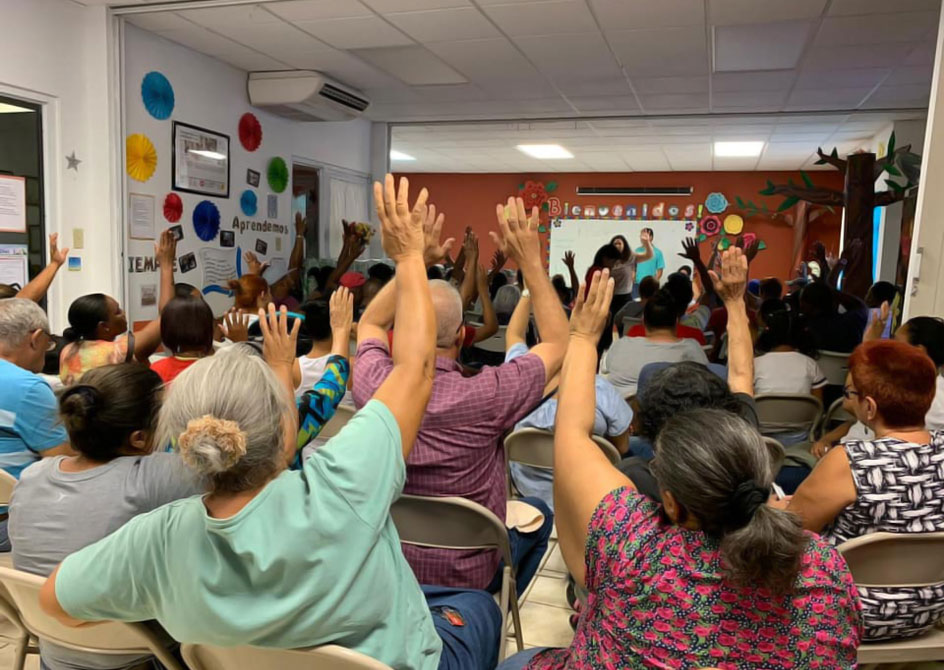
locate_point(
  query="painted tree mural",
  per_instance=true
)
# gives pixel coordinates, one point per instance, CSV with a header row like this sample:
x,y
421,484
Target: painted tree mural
x,y
859,198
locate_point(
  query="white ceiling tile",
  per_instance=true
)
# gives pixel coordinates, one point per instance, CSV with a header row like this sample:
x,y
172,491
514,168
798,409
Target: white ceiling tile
x,y
771,46
622,15
911,74
546,18
366,32
751,81
922,54
827,98
158,21
850,7
450,92
653,161
275,39
662,52
391,94
412,65
865,55
579,86
908,95
849,78
252,61
622,104
484,60
732,12
673,101
200,39
909,27
583,53
313,10
384,6
671,84
220,17
749,99
444,25
532,88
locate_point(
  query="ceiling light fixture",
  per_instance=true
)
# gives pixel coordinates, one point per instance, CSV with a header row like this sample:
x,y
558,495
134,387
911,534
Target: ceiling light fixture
x,y
545,151
738,149
400,156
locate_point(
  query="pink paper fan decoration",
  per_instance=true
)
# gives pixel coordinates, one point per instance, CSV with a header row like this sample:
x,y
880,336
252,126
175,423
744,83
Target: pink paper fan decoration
x,y
173,207
250,131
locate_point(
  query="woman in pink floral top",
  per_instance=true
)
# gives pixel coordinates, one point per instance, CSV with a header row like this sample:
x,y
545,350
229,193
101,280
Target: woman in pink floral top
x,y
713,577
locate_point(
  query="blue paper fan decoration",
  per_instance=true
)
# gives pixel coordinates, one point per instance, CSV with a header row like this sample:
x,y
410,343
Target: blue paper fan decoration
x,y
206,220
157,95
248,202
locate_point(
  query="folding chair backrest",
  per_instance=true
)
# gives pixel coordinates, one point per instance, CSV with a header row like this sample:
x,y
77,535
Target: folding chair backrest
x,y
781,412
342,415
895,559
835,365
494,344
106,638
777,454
7,482
330,657
531,446
836,412
629,322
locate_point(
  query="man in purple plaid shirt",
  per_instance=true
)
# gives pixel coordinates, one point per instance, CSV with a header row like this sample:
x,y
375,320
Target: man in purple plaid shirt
x,y
458,451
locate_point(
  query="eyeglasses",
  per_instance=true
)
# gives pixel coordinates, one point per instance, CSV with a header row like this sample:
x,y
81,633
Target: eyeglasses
x,y
52,341
847,393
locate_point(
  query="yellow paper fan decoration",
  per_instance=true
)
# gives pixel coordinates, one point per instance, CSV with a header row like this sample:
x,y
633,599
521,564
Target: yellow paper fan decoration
x,y
141,157
733,224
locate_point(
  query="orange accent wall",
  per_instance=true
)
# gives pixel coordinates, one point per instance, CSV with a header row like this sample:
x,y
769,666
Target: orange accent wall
x,y
469,200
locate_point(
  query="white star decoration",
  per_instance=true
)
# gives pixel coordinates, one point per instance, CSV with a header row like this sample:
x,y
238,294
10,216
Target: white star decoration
x,y
73,162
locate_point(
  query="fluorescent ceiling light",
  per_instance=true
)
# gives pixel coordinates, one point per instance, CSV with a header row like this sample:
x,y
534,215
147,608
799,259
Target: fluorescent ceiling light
x,y
545,151
215,155
400,156
6,108
738,149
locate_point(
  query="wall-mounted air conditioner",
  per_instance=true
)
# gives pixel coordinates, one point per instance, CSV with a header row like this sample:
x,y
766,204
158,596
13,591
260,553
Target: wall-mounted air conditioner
x,y
304,95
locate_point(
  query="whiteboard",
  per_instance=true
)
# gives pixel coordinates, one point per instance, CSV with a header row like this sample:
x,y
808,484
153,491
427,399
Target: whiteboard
x,y
585,236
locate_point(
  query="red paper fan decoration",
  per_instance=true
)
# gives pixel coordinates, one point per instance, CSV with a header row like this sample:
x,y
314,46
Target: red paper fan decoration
x,y
173,207
250,132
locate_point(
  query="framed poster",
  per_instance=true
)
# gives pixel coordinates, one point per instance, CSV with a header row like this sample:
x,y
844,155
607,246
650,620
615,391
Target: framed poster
x,y
200,162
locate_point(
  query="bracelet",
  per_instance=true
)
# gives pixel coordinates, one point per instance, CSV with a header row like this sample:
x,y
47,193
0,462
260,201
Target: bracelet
x,y
299,237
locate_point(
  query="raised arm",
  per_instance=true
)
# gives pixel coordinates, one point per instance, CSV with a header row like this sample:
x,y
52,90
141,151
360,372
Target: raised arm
x,y
730,287
692,253
298,249
583,475
148,339
470,252
278,344
36,289
414,337
574,279
489,318
517,331
351,249
518,239
647,251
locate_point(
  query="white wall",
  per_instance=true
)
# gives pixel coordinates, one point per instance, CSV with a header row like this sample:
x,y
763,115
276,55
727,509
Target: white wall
x,y
56,52
212,95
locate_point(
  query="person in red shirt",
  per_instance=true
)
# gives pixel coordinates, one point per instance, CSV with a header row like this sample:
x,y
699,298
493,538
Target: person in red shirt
x,y
187,332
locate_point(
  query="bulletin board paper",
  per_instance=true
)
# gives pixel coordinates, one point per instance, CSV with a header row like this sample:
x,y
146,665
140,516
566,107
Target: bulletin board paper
x,y
142,216
12,204
219,266
14,265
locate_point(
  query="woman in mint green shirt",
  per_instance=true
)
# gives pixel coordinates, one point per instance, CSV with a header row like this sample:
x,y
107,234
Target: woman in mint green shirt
x,y
273,557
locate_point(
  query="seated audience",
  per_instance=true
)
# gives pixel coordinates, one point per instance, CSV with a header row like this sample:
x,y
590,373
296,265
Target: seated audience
x,y
786,355
712,576
633,310
98,328
329,327
506,299
458,449
250,294
29,424
680,288
612,419
334,546
887,484
833,330
623,361
187,326
66,503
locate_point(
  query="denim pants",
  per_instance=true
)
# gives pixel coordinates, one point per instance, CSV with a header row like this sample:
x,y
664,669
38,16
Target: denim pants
x,y
521,659
527,549
473,645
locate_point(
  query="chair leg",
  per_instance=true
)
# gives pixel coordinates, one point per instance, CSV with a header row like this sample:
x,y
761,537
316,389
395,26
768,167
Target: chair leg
x,y
515,616
503,605
21,649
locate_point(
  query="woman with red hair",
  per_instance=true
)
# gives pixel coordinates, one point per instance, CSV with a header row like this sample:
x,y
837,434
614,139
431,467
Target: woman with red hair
x,y
890,483
250,294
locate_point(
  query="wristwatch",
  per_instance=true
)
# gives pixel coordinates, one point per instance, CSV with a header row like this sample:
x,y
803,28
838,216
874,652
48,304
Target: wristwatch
x,y
526,293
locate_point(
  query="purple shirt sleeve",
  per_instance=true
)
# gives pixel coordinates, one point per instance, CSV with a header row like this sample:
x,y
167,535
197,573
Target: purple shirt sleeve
x,y
518,387
372,364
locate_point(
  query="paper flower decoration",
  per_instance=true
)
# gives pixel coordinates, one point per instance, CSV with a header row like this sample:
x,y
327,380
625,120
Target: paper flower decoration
x,y
141,157
277,174
534,194
710,225
250,132
157,95
248,202
716,203
749,239
689,226
206,220
173,207
733,224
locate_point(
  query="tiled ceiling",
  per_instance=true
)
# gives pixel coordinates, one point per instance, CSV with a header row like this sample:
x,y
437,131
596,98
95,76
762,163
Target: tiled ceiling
x,y
473,60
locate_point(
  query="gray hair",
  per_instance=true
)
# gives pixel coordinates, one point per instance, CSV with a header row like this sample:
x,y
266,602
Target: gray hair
x,y
18,318
226,413
447,303
707,459
506,299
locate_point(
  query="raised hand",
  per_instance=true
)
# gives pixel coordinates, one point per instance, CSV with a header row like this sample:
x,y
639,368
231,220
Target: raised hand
x,y
435,250
236,326
353,243
569,259
732,282
517,235
300,225
498,260
590,315
165,249
341,309
278,344
470,248
878,322
690,250
256,267
644,236
401,228
57,255
852,254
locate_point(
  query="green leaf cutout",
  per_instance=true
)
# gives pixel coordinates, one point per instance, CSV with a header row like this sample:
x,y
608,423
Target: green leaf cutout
x,y
806,179
788,203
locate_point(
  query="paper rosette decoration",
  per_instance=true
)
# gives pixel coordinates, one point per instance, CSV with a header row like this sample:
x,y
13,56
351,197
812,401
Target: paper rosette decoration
x,y
157,95
710,225
716,203
141,157
277,174
250,132
248,202
206,220
733,224
173,207
749,239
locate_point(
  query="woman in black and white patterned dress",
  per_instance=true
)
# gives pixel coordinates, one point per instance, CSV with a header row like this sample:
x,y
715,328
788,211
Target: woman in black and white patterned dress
x,y
892,483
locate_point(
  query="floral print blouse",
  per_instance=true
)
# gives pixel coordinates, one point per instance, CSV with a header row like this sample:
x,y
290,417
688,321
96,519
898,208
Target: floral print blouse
x,y
658,599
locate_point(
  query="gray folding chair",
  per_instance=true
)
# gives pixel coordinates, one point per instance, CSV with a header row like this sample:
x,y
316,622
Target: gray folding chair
x,y
107,638
535,447
457,523
494,344
883,560
788,412
777,454
835,413
629,322
330,657
7,482
13,632
342,415
835,365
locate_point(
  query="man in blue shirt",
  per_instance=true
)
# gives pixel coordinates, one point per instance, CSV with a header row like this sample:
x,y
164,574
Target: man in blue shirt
x,y
654,267
29,423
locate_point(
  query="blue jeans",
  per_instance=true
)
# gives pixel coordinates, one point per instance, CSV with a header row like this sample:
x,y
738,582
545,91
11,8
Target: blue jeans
x,y
521,659
5,536
527,549
474,644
